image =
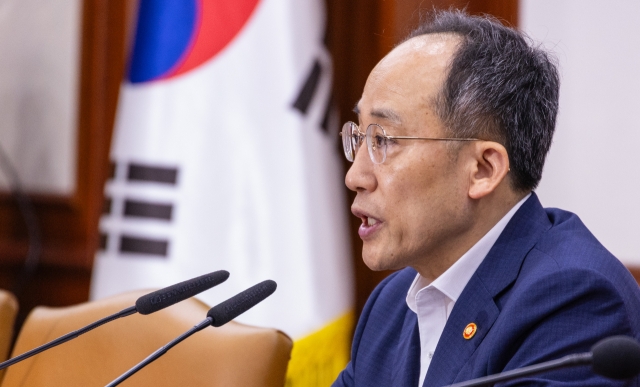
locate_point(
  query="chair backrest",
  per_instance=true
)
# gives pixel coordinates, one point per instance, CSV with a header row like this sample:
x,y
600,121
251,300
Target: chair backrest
x,y
232,355
8,312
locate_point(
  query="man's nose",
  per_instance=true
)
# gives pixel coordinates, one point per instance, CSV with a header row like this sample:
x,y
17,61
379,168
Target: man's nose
x,y
360,176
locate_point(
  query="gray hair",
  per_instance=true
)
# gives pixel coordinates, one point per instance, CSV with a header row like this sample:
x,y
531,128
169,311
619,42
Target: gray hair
x,y
500,87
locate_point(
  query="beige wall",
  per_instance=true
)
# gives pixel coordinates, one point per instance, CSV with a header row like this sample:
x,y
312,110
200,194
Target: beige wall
x,y
592,169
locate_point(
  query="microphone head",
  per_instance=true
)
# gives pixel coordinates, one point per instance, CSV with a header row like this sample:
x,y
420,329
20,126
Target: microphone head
x,y
240,303
616,357
170,295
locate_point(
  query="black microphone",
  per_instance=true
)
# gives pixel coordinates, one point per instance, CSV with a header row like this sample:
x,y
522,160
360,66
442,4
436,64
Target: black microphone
x,y
240,303
160,299
616,357
216,316
146,304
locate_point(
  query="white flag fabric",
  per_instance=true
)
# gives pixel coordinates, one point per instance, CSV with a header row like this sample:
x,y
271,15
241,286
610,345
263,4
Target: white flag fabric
x,y
226,157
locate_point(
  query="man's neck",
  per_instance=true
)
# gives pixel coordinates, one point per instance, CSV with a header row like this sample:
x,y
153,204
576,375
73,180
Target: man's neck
x,y
485,214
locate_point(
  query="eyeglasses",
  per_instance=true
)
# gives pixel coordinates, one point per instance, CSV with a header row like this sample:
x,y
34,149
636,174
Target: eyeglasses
x,y
377,140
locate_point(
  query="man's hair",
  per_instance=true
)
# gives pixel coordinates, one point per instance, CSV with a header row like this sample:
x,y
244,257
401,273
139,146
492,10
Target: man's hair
x,y
499,87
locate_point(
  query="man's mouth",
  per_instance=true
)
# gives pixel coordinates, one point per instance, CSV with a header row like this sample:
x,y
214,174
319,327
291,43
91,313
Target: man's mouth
x,y
369,221
368,227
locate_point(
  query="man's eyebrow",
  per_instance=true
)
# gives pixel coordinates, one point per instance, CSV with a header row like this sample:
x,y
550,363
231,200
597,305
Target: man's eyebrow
x,y
356,109
387,114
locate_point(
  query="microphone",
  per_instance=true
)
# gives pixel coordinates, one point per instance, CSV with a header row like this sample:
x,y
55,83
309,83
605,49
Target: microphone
x,y
615,357
216,316
240,303
160,299
147,304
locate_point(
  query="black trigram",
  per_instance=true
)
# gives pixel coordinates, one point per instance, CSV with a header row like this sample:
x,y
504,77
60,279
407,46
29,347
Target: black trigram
x,y
142,209
308,91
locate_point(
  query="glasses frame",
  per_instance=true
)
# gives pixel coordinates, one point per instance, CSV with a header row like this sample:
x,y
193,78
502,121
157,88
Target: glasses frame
x,y
348,144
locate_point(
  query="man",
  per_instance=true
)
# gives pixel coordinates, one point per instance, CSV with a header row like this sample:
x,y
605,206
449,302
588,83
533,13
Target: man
x,y
454,127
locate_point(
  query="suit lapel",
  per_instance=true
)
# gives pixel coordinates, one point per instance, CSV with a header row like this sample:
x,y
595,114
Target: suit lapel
x,y
453,350
476,304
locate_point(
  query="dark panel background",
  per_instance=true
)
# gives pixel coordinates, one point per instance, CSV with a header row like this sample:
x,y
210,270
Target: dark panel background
x,y
69,224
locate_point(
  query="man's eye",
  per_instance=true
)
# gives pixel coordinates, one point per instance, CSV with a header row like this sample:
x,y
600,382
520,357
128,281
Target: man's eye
x,y
390,141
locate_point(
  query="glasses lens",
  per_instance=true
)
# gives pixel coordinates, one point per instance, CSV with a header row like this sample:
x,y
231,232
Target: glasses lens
x,y
347,141
351,140
377,143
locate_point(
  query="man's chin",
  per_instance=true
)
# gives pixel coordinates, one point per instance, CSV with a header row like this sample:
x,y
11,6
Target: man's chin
x,y
378,262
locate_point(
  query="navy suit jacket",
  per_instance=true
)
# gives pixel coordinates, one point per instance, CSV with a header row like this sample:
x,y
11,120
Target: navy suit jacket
x,y
546,289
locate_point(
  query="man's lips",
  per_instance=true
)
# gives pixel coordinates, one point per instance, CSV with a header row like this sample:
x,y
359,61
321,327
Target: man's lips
x,y
369,224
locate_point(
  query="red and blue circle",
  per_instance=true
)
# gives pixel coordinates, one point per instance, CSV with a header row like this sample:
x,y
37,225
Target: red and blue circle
x,y
176,36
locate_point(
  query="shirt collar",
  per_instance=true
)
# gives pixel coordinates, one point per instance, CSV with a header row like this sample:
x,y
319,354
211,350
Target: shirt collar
x,y
453,281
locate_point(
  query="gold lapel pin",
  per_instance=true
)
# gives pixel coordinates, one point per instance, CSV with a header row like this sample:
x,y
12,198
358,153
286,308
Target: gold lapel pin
x,y
469,331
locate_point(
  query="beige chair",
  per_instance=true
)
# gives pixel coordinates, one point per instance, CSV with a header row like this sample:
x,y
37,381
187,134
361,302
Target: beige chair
x,y
8,312
232,355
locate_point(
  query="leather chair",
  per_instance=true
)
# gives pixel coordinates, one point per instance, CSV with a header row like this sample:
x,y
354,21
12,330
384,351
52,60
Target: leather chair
x,y
8,312
232,355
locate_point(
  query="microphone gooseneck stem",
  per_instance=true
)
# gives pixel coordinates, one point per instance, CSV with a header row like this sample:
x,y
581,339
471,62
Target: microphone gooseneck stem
x,y
567,361
200,326
71,335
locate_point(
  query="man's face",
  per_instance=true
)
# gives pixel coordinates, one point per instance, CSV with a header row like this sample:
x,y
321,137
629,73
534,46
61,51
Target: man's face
x,y
413,205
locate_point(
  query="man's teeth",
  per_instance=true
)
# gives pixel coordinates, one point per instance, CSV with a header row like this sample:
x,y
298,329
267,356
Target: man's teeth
x,y
371,221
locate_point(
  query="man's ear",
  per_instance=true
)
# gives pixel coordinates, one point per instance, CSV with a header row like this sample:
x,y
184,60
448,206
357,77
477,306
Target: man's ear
x,y
489,169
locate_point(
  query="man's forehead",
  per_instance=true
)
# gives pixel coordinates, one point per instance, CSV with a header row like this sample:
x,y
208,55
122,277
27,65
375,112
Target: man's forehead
x,y
433,44
423,47
413,72
381,112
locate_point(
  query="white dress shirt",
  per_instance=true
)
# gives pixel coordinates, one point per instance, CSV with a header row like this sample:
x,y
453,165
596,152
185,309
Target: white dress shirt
x,y
433,302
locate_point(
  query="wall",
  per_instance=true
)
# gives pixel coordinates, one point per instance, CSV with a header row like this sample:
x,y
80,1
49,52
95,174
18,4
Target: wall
x,y
68,224
591,167
38,92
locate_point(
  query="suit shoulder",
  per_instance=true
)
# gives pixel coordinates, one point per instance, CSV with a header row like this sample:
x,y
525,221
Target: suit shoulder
x,y
570,243
570,262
